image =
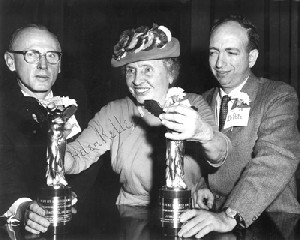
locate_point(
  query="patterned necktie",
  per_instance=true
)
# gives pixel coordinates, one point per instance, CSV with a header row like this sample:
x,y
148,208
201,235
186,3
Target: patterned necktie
x,y
223,111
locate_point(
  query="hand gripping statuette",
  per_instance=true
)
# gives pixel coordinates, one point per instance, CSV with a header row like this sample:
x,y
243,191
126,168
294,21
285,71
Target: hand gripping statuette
x,y
56,197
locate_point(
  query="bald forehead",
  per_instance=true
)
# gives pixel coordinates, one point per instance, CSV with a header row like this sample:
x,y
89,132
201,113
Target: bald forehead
x,y
31,36
232,28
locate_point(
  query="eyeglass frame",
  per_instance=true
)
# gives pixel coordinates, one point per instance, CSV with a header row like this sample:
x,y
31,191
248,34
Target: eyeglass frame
x,y
40,55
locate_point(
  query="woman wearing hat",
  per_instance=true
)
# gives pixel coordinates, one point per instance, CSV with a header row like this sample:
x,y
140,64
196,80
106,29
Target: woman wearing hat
x,y
135,137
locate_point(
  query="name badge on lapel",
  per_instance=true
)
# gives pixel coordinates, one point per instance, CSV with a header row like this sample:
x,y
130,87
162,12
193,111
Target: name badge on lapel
x,y
237,117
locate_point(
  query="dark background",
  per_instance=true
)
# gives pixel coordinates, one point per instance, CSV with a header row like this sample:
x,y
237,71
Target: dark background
x,y
88,30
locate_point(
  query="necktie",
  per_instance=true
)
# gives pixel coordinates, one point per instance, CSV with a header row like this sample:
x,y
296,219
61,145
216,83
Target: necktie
x,y
223,111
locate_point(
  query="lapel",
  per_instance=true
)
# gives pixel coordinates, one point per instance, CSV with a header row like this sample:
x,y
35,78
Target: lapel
x,y
21,109
251,88
211,98
15,103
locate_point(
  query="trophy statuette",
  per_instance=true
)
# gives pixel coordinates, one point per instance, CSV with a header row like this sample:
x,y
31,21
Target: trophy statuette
x,y
175,197
56,196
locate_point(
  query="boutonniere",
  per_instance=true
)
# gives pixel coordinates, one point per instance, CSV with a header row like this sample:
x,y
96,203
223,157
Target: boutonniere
x,y
57,102
241,100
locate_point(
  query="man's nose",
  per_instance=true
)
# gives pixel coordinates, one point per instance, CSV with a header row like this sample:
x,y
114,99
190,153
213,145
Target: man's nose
x,y
220,61
42,63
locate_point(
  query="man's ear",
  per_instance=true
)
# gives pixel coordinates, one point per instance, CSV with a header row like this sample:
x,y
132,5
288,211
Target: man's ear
x,y
253,55
59,67
10,61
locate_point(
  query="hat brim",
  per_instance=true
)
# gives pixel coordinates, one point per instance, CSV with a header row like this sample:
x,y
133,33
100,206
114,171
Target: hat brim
x,y
171,49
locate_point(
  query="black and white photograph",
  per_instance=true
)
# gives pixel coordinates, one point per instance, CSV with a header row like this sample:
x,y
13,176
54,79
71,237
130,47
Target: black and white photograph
x,y
149,119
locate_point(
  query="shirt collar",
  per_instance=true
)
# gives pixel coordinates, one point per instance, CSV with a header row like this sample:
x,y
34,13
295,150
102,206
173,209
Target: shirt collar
x,y
49,95
235,91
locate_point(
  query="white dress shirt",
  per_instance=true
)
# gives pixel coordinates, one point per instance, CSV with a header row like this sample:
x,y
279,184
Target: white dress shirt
x,y
235,92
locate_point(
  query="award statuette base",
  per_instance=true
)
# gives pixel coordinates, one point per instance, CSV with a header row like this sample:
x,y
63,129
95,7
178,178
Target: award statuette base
x,y
57,202
173,203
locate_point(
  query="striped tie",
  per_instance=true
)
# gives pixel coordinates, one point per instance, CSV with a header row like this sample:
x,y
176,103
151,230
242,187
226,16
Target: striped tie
x,y
223,111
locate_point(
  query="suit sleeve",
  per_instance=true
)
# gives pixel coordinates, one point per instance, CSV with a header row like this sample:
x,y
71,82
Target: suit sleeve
x,y
275,156
204,109
12,184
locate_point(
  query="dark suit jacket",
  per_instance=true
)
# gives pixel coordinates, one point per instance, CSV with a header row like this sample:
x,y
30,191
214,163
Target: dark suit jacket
x,y
259,173
23,147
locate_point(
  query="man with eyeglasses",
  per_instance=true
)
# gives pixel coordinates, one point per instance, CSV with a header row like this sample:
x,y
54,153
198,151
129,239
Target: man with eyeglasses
x,y
34,57
36,62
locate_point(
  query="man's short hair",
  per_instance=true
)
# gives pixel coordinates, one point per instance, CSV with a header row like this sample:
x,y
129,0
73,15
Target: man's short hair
x,y
18,32
253,36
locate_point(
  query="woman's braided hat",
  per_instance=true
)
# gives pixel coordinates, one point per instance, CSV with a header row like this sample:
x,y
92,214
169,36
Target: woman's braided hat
x,y
145,43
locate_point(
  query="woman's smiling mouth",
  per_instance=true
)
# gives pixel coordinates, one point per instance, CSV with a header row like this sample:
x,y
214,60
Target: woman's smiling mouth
x,y
141,90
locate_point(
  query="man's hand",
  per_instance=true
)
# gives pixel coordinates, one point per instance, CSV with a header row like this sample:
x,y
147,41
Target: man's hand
x,y
203,199
198,223
34,219
185,124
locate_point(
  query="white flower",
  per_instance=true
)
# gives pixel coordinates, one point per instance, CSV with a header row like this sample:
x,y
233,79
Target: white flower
x,y
174,96
243,97
66,101
58,101
176,91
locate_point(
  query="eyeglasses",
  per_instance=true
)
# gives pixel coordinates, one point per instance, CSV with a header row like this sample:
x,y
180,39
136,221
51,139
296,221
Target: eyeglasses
x,y
34,56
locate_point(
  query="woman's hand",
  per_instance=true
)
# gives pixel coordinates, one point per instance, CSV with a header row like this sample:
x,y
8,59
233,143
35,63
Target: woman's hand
x,y
185,123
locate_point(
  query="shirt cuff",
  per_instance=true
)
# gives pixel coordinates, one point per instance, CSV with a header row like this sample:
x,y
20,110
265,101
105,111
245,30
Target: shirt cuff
x,y
12,211
224,157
